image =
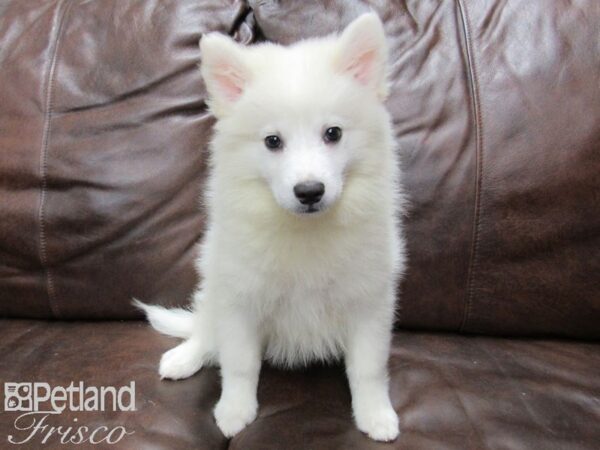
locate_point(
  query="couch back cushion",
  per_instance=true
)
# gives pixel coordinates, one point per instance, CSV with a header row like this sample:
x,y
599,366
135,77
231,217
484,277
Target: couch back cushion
x,y
103,132
496,109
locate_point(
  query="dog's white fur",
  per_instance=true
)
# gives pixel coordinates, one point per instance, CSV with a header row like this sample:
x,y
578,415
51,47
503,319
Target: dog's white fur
x,y
280,283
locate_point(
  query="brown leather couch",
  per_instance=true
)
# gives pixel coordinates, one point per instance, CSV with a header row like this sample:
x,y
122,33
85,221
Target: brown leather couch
x,y
103,151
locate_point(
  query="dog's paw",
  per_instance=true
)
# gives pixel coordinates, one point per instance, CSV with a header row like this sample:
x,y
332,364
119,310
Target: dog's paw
x,y
380,424
180,362
233,416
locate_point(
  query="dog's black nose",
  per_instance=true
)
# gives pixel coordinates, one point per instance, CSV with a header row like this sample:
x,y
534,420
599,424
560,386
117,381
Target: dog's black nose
x,y
309,192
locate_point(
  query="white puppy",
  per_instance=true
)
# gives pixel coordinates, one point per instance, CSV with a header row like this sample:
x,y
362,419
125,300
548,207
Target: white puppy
x,y
303,249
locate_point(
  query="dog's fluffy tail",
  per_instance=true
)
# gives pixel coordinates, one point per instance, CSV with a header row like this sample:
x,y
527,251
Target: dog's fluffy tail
x,y
177,322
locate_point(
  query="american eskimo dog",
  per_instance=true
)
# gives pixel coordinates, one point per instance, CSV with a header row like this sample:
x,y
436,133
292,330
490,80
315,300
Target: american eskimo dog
x,y
303,249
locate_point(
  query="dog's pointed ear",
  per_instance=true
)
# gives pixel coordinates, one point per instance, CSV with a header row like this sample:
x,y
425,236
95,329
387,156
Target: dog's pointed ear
x,y
362,53
224,71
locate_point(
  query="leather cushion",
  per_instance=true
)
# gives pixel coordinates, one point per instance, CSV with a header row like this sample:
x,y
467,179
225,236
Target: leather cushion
x,y
104,129
450,392
103,133
496,112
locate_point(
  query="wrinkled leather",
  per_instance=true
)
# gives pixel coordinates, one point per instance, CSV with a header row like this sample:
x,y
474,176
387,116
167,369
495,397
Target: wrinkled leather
x,y
537,238
103,132
450,392
496,107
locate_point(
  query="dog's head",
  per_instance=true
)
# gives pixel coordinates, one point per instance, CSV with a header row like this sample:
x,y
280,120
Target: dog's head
x,y
298,119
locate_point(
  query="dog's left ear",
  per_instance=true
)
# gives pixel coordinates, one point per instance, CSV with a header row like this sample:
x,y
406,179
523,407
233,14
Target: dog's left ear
x,y
362,53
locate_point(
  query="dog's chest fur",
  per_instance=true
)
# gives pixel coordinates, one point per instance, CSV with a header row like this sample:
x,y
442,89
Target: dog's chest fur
x,y
304,324
305,291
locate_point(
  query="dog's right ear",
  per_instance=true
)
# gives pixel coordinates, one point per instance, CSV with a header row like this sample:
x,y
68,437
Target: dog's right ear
x,y
224,71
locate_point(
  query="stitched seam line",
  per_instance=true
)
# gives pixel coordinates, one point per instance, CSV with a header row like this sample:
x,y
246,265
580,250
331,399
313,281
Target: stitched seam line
x,y
48,91
477,112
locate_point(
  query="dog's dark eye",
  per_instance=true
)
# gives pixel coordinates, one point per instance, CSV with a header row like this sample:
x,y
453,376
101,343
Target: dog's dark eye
x,y
332,134
273,142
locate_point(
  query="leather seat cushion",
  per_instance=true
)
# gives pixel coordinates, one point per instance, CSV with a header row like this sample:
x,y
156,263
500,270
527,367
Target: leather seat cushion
x,y
451,392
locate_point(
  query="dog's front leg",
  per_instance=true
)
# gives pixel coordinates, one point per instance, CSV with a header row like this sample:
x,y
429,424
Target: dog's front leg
x,y
239,348
366,365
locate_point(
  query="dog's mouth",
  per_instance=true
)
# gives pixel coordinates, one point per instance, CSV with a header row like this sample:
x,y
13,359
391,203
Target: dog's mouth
x,y
310,210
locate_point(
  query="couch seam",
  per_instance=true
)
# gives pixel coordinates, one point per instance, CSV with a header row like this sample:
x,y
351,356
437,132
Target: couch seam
x,y
477,112
48,98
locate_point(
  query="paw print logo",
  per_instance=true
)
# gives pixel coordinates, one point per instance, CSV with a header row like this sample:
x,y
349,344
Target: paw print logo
x,y
18,397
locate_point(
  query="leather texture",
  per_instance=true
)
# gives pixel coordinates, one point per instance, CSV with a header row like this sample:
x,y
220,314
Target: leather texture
x,y
103,132
497,115
496,107
450,391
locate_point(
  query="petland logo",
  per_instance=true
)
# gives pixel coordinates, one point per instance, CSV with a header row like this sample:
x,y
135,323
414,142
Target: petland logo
x,y
38,401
